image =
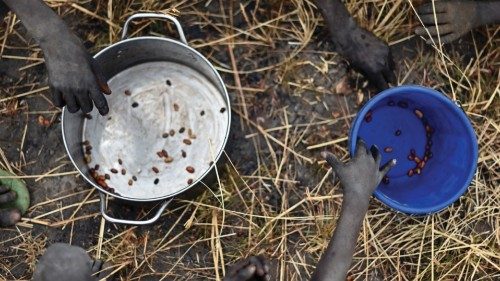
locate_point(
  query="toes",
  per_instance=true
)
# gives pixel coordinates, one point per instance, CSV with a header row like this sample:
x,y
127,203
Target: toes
x,y
9,217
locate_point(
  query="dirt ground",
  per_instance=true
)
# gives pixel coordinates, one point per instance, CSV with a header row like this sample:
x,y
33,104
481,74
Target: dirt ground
x,y
274,196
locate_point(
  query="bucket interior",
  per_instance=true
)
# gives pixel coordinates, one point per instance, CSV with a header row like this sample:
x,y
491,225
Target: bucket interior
x,y
441,134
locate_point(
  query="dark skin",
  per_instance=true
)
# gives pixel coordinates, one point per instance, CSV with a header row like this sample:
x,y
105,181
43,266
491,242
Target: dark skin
x,y
359,179
8,217
455,18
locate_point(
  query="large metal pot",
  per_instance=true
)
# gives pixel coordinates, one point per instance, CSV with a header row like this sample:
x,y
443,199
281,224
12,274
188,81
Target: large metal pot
x,y
118,59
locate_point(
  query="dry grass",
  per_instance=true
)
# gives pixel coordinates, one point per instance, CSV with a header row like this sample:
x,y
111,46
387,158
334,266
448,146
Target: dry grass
x,y
272,209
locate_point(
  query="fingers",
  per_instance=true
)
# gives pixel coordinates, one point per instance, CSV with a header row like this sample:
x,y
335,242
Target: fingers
x,y
387,167
434,30
7,197
376,154
71,103
100,101
428,8
360,148
57,97
429,19
100,78
9,217
84,101
331,160
261,266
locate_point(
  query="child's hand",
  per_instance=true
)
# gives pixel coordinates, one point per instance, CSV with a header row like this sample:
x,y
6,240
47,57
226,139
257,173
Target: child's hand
x,y
360,176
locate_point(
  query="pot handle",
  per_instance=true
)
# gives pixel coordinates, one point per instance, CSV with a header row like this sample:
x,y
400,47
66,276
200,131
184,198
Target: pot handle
x,y
132,222
154,16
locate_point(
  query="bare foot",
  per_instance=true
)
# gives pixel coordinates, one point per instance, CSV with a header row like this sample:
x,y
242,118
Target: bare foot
x,y
254,268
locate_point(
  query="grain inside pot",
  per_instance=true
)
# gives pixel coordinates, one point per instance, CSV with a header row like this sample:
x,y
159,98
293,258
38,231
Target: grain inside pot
x,y
134,178
181,130
168,160
418,113
87,116
222,110
124,171
85,143
202,113
114,171
189,181
96,167
106,176
168,83
135,104
157,180
190,169
388,149
164,135
402,104
155,170
183,153
397,133
176,107
171,132
120,161
127,93
191,134
368,117
187,141
130,182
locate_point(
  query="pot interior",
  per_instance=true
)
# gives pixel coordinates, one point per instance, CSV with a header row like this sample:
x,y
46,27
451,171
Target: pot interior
x,y
167,126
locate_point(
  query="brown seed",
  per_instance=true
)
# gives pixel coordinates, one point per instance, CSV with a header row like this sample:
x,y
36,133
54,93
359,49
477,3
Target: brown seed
x,y
127,93
417,159
92,172
202,113
172,133
402,104
397,133
130,182
169,83
191,134
368,117
157,181
106,176
190,169
159,154
164,153
176,107
211,163
124,171
96,167
421,165
183,153
411,157
100,178
168,160
190,181
181,130
87,116
155,170
429,129
186,141
102,184
222,110
425,158
88,149
385,180
85,143
134,178
419,113
164,135
114,171
120,161
135,104
87,158
410,173
388,149
418,171
413,152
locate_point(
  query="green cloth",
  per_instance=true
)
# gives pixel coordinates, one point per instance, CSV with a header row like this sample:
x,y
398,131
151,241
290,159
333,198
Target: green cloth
x,y
22,202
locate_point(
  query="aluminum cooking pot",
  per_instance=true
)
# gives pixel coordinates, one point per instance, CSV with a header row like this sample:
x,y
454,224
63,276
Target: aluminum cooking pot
x,y
163,90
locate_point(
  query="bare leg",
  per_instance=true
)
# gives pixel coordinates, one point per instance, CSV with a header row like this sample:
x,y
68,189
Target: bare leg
x,y
361,48
359,178
74,78
455,18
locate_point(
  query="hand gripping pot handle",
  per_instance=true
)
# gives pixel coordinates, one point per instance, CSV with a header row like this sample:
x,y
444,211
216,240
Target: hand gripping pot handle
x,y
132,222
154,16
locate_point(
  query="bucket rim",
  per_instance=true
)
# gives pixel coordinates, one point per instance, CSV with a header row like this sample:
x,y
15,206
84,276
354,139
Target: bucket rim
x,y
416,89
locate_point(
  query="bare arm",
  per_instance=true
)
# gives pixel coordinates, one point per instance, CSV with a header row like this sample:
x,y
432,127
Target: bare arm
x,y
489,12
359,178
362,49
74,79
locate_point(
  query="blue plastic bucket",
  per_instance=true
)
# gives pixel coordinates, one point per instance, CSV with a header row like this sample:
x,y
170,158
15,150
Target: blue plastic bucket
x,y
401,121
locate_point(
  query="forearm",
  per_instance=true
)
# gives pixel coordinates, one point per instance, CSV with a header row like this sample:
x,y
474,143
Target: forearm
x,y
336,260
489,12
336,17
43,24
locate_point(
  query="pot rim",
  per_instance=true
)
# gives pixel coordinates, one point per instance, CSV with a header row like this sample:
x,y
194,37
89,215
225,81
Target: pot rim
x,y
219,153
